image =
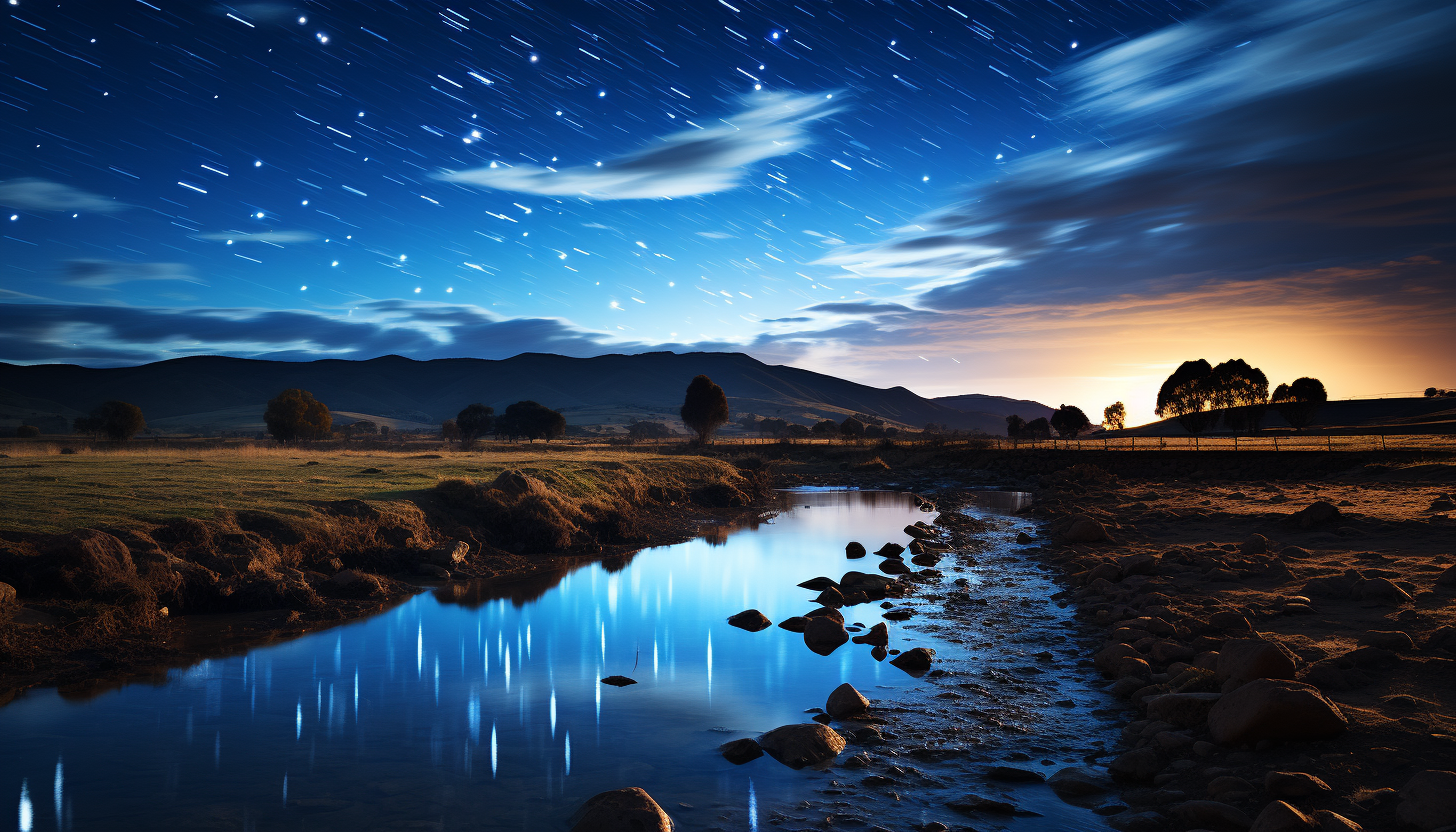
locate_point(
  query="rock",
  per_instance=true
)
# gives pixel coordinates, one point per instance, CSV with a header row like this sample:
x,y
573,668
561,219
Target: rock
x,y
433,570
1227,783
1084,529
919,532
1011,774
515,484
1023,538
1269,709
914,662
845,702
1137,766
1315,514
796,624
1104,572
1442,638
750,620
1394,640
975,803
1428,800
1447,578
854,550
618,681
1079,781
891,566
1331,822
823,634
926,559
1245,659
876,635
797,746
1294,784
830,597
1442,504
449,553
1211,815
1255,544
819,583
1231,621
1107,658
1281,817
7,596
898,613
1185,710
621,810
826,612
1380,589
741,751
890,550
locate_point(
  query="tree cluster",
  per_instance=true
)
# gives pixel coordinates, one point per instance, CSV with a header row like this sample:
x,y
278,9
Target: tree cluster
x,y
116,420
296,415
1196,394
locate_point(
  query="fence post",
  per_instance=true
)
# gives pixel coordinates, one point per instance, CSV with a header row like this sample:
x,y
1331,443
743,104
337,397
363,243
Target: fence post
x,y
1329,442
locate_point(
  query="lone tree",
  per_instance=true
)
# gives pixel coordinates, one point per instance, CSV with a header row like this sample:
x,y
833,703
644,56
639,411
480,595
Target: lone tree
x,y
295,414
1299,402
705,408
1114,416
1069,420
1015,426
118,421
532,421
474,421
1184,395
1241,392
449,430
1038,428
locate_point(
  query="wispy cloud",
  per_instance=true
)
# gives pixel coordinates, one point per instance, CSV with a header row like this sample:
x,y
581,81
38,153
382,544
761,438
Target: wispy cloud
x,y
690,163
99,273
276,237
31,194
1255,139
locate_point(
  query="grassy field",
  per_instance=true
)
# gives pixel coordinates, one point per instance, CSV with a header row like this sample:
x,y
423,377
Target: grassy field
x,y
45,491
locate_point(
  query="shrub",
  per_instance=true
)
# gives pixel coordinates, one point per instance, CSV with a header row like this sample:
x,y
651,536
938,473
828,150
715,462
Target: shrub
x,y
27,431
296,414
116,420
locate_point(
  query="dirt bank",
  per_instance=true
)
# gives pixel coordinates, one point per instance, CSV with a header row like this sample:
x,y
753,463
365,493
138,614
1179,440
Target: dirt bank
x,y
87,607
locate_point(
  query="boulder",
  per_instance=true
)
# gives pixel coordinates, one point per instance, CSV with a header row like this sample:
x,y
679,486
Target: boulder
x,y
1140,765
846,702
794,624
515,484
750,620
1108,658
826,612
854,550
1023,538
818,584
1079,781
90,564
1245,659
7,596
619,681
1393,640
919,532
1281,817
914,662
877,635
1316,514
1254,544
1428,800
1447,578
1211,815
1442,638
890,566
802,745
1185,710
1083,529
1269,709
1294,784
830,597
621,810
1380,589
890,550
823,634
741,751
448,554
1331,822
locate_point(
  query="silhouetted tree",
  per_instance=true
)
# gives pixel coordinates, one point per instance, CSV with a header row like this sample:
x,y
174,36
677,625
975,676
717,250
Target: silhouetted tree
x,y
363,427
874,432
1069,420
1185,395
1430,392
118,421
648,430
797,431
450,430
532,421
704,408
826,427
891,432
1241,392
773,426
1299,402
1038,428
852,428
474,421
1015,426
27,431
1114,416
296,414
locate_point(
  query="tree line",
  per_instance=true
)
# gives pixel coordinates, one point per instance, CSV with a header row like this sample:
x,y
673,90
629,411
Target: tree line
x,y
1198,394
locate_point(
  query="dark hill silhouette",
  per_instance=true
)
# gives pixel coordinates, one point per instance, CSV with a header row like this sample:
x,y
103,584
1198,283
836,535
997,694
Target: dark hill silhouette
x,y
998,406
1394,416
608,389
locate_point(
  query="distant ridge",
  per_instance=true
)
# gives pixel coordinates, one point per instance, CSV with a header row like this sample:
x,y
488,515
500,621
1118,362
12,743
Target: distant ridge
x,y
999,406
221,393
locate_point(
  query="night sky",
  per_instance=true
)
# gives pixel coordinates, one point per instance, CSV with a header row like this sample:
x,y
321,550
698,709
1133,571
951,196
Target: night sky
x,y
1052,199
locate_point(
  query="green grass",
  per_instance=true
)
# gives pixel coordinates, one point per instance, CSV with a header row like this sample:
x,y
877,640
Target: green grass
x,y
44,491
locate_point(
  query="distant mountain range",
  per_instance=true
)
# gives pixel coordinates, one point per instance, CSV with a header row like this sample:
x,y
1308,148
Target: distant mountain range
x,y
212,393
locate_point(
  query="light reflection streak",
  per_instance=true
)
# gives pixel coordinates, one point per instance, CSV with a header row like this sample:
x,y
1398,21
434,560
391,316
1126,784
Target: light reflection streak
x,y
420,650
59,788
553,713
568,753
298,722
285,788
493,751
27,813
752,808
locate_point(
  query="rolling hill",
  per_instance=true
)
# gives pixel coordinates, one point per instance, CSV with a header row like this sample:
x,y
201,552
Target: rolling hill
x,y
209,393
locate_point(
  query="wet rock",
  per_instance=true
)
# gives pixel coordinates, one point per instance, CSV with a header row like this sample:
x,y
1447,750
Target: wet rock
x,y
818,584
1079,781
741,751
1185,710
914,662
618,681
830,597
1268,709
894,567
1331,822
1107,658
448,554
823,634
858,761
1393,640
890,550
797,746
920,532
826,612
1012,774
1316,514
975,804
1023,538
432,570
1079,528
926,559
846,702
1211,815
854,550
1428,800
1103,572
879,652
1245,659
621,810
876,635
1281,817
1294,784
1137,766
796,624
750,620
898,613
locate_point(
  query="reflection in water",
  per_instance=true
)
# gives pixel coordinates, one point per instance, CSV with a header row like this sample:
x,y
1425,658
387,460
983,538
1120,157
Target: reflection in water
x,y
525,658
